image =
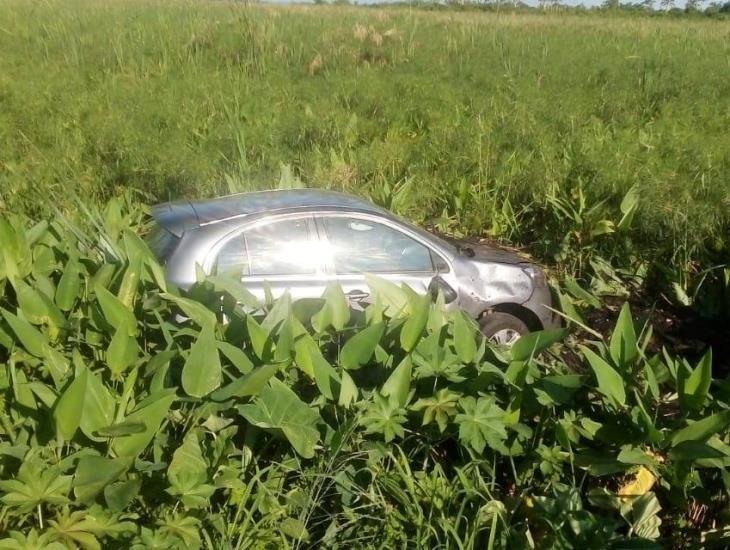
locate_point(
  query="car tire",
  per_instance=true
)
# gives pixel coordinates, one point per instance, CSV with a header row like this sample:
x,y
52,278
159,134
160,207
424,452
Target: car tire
x,y
502,329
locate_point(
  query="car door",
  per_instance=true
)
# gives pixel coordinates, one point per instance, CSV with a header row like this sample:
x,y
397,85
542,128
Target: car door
x,y
358,243
281,253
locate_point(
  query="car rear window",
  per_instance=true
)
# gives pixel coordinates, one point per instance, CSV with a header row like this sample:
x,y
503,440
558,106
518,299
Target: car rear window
x,y
162,242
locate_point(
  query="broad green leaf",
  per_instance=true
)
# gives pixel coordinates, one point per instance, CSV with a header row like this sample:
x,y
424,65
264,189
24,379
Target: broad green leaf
x,y
56,363
122,351
93,473
437,318
70,406
701,430
285,341
278,314
193,310
602,227
37,307
247,385
434,359
384,416
465,333
130,282
696,450
693,389
623,348
188,473
158,367
310,360
358,350
439,407
335,311
398,384
21,388
136,248
69,285
259,337
599,464
629,206
32,340
185,528
516,372
514,410
46,395
236,356
415,324
581,294
533,343
277,407
103,276
610,382
569,311
348,390
120,495
645,511
14,246
634,455
188,466
481,423
151,414
558,389
201,373
36,483
235,288
393,298
115,312
98,410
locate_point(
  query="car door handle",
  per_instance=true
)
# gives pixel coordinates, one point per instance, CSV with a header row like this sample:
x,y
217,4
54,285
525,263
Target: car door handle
x,y
357,295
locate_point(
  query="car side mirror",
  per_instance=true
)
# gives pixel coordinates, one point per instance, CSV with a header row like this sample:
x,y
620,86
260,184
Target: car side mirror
x,y
438,284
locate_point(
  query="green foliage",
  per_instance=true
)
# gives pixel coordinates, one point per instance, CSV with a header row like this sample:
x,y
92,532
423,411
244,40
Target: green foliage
x,y
267,430
282,425
481,423
278,408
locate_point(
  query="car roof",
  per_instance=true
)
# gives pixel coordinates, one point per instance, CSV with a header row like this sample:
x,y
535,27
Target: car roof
x,y
177,217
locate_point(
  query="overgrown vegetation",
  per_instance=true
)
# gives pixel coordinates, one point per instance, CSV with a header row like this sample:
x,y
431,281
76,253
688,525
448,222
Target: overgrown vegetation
x,y
133,414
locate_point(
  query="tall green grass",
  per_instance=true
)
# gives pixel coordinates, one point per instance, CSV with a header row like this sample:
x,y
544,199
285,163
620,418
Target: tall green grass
x,y
476,121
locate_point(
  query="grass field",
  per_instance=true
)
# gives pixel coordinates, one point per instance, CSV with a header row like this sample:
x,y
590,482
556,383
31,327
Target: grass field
x,y
492,118
137,415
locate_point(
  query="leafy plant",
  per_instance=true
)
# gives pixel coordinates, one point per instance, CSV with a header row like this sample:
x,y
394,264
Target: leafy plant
x,y
285,425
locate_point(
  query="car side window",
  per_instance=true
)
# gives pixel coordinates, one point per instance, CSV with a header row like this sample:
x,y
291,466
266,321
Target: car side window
x,y
358,245
277,248
232,258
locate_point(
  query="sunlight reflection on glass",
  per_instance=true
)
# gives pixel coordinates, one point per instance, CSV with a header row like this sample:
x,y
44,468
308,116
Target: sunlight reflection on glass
x,y
306,254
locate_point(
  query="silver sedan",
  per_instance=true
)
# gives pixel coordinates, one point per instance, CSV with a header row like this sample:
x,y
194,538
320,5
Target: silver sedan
x,y
301,240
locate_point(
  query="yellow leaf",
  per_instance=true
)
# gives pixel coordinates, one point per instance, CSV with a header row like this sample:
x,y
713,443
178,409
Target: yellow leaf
x,y
641,484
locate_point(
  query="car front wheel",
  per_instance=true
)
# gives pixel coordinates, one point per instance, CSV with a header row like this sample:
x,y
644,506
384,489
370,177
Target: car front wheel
x,y
502,329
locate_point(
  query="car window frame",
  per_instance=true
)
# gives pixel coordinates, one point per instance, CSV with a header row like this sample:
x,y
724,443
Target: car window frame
x,y
313,237
392,224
